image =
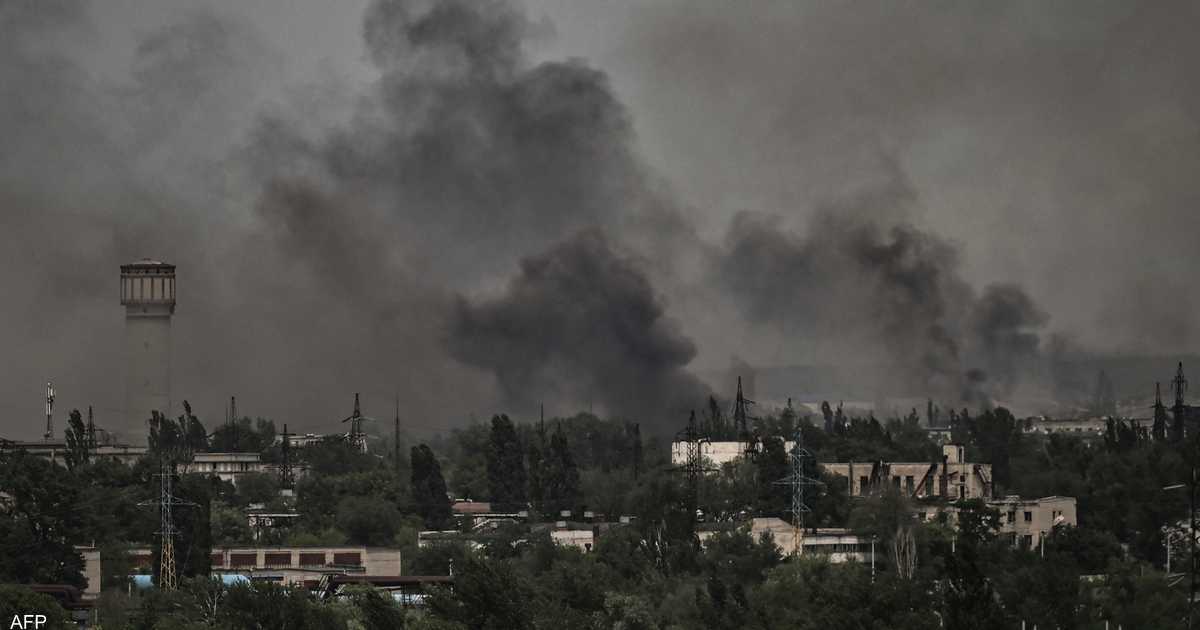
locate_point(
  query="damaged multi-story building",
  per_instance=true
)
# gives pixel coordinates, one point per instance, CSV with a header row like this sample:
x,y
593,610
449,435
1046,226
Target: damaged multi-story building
x,y
952,478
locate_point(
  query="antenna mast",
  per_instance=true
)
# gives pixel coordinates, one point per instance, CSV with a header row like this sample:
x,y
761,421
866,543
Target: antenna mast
x,y
49,411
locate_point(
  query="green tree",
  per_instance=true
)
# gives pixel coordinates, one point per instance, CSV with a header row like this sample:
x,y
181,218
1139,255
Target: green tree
x,y
429,488
368,521
375,610
195,437
257,488
79,447
487,595
561,476
17,601
772,466
505,464
42,512
229,525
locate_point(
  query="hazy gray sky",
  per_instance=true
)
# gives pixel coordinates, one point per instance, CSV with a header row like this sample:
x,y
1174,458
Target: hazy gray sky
x,y
331,197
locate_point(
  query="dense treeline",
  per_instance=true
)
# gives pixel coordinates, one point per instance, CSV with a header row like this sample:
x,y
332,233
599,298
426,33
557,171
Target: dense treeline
x,y
650,573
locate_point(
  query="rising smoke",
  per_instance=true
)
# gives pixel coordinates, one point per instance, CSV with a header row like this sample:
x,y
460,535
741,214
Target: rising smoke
x,y
581,323
882,292
404,233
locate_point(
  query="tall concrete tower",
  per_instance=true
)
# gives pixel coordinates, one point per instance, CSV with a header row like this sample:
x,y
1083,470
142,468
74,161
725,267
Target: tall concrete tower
x,y
148,293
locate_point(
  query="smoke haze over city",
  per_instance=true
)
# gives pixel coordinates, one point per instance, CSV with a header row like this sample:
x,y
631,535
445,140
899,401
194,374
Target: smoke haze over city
x,y
481,206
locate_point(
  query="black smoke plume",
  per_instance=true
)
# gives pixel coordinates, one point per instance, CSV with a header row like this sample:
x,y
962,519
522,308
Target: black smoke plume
x,y
881,291
581,323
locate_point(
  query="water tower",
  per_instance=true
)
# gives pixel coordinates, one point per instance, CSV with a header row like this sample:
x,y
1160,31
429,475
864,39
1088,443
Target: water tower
x,y
148,293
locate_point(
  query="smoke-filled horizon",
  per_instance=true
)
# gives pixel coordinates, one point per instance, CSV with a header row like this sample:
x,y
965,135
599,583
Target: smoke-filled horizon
x,y
481,206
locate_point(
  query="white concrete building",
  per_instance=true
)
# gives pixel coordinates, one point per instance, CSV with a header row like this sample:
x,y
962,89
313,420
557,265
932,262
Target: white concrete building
x,y
835,544
227,466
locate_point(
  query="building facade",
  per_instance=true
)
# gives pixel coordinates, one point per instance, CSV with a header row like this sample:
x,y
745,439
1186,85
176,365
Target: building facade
x,y
1023,522
227,466
285,565
952,478
833,544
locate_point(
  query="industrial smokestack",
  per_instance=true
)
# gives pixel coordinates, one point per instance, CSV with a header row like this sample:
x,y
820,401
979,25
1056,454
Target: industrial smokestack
x,y
148,294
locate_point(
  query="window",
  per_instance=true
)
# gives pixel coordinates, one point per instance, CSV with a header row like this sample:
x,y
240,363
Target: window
x,y
908,484
896,481
1027,541
1029,517
1012,516
863,483
962,492
929,485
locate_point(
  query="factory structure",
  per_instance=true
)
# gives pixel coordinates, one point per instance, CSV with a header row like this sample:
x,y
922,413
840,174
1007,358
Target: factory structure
x,y
148,295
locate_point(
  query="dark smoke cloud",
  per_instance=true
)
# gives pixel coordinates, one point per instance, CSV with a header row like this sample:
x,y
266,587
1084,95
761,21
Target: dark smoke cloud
x,y
879,291
324,232
1055,141
581,323
466,154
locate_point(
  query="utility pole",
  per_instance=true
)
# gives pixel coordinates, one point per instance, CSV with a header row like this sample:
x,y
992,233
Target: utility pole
x,y
91,431
49,411
798,480
1179,409
1192,537
637,450
233,422
167,578
396,437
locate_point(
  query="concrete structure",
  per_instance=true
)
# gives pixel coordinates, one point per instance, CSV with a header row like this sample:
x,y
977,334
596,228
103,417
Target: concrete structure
x,y
474,515
148,294
717,454
835,544
286,565
582,538
1022,521
952,478
1025,521
55,451
227,466
301,441
1082,427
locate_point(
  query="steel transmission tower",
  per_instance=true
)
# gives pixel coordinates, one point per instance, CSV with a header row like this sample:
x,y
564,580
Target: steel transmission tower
x,y
357,437
287,473
799,482
693,465
741,415
167,578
